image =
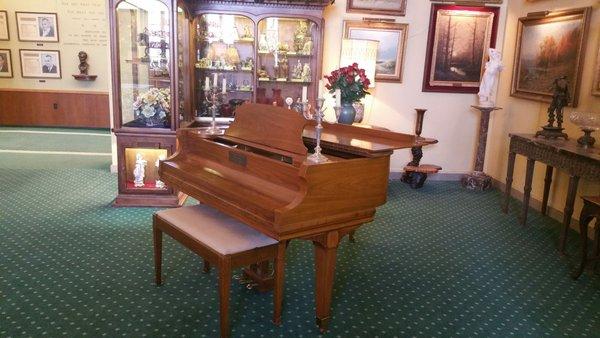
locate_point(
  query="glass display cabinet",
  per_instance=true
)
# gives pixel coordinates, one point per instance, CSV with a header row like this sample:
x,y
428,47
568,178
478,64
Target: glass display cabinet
x,y
256,51
149,82
167,55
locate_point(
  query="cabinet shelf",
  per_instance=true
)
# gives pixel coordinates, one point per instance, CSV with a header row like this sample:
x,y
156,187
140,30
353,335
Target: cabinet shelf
x,y
288,54
249,71
287,81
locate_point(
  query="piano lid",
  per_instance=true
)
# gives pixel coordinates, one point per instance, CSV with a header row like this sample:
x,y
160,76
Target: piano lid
x,y
270,126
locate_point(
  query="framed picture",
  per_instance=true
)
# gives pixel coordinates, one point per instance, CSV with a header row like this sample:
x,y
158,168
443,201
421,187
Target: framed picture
x,y
385,7
392,43
38,27
4,36
6,69
473,2
549,45
596,84
459,38
40,64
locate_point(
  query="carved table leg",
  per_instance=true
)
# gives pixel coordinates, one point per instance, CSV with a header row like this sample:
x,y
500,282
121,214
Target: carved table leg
x,y
527,189
325,256
547,183
568,212
509,179
584,220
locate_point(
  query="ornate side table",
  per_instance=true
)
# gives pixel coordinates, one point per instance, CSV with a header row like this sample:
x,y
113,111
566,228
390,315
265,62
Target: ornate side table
x,y
564,155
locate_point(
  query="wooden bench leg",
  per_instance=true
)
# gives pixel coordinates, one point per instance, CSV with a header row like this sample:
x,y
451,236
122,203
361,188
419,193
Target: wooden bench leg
x,y
157,236
224,281
206,266
279,282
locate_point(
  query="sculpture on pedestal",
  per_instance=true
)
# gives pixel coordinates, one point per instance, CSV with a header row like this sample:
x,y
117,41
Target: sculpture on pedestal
x,y
560,99
488,81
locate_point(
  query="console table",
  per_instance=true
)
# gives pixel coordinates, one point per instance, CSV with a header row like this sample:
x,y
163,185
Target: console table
x,y
563,155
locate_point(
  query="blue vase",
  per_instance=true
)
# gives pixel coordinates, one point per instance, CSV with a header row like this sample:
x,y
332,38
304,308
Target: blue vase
x,y
347,114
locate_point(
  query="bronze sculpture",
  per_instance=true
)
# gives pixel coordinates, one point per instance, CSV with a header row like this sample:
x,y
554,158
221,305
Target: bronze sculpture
x,y
560,99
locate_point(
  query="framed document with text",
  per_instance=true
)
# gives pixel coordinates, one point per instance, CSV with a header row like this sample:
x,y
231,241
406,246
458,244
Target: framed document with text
x,y
4,36
6,70
40,64
38,27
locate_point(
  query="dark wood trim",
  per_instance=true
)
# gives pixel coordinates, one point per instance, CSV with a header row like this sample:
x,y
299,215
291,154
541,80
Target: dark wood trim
x,y
54,108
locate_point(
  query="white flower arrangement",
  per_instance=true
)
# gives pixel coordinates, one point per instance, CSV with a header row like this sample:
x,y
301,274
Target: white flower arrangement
x,y
153,106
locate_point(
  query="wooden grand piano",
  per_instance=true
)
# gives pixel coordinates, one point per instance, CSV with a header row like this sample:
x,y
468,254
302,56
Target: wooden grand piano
x,y
258,172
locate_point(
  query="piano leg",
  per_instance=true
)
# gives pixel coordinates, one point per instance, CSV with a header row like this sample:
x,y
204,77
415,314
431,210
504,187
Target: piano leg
x,y
325,256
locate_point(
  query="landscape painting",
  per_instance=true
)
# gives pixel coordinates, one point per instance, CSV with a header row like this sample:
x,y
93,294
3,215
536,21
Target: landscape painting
x,y
390,53
457,48
385,7
549,47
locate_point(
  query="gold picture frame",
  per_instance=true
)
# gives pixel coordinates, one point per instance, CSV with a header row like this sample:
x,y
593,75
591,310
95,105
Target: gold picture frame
x,y
550,45
596,83
384,7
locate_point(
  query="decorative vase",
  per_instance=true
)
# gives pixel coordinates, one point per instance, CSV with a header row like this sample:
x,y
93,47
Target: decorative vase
x,y
347,114
277,98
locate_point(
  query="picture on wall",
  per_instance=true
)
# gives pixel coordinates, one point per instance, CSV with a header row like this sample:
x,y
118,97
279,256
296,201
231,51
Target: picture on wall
x,y
38,27
473,2
6,69
40,64
385,7
596,84
4,36
548,47
392,43
459,38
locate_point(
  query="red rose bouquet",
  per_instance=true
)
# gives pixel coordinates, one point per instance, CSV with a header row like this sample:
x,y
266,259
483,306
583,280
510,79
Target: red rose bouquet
x,y
351,81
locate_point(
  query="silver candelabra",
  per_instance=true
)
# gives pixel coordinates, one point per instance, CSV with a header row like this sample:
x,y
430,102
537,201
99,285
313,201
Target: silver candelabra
x,y
215,98
317,157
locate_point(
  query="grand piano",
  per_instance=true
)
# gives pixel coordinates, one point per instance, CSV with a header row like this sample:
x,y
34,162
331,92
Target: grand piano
x,y
257,171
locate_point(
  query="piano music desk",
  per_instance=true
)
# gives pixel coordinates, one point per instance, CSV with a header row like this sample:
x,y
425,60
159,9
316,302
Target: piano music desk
x,y
257,172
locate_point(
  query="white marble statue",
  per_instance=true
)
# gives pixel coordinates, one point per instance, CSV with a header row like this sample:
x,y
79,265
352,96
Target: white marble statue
x,y
492,71
159,184
139,172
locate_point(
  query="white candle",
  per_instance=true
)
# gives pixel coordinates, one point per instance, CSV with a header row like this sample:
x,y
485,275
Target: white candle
x,y
304,93
276,58
206,84
224,86
215,79
320,89
338,97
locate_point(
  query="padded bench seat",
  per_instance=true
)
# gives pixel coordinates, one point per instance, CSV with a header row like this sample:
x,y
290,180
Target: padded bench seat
x,y
221,241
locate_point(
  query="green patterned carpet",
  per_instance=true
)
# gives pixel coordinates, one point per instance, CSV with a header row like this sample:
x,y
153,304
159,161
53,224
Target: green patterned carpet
x,y
439,261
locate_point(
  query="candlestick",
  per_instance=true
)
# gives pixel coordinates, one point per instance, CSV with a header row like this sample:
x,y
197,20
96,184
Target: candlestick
x,y
338,97
215,78
317,157
206,83
320,89
224,86
304,93
214,98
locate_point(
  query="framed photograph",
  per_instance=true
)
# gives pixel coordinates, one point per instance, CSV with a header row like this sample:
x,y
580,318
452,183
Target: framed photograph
x,y
549,45
459,39
4,36
392,43
6,70
40,64
385,7
38,27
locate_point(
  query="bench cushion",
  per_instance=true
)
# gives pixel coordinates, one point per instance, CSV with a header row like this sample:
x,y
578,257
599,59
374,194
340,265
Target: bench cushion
x,y
214,229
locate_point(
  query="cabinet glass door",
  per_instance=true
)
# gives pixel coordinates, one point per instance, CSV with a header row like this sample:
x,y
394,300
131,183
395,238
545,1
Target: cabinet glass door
x,y
286,60
144,63
224,62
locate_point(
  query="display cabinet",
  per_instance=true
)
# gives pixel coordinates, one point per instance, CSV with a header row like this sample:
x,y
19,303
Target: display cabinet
x,y
149,94
263,52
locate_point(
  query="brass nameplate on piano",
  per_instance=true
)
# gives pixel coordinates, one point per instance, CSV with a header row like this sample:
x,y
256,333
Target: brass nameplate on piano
x,y
237,158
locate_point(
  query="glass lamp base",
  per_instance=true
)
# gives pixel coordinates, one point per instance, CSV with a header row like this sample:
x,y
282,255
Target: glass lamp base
x,y
317,158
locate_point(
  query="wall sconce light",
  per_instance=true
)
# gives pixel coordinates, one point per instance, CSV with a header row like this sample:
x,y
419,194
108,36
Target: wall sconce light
x,y
363,52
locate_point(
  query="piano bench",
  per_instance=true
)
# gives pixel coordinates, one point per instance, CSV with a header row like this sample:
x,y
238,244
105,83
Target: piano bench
x,y
223,242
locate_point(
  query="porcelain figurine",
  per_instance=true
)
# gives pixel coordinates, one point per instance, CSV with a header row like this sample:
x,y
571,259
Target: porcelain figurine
x,y
139,172
306,73
297,71
492,71
308,46
159,184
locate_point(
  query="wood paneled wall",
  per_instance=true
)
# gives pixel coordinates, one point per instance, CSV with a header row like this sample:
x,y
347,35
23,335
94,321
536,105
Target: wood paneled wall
x,y
54,108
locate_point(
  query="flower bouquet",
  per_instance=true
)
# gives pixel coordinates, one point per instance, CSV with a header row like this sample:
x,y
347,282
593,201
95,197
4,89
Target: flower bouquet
x,y
152,108
349,85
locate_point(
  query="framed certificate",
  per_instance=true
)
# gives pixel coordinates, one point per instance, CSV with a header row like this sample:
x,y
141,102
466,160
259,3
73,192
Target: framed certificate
x,y
38,27
40,64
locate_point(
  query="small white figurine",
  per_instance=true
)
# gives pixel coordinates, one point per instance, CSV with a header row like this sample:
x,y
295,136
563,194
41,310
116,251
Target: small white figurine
x,y
492,70
139,172
306,75
159,184
297,71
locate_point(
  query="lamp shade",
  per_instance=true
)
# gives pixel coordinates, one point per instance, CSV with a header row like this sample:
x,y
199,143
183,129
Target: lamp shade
x,y
363,52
